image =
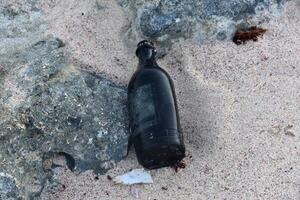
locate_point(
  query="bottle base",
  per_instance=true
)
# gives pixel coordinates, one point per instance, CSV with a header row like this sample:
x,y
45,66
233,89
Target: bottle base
x,y
165,154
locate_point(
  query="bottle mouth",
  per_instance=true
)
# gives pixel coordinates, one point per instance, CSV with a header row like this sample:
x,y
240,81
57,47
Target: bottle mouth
x,y
145,44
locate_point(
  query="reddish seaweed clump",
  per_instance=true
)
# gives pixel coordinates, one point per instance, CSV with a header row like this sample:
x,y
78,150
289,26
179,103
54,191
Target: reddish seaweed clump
x,y
252,33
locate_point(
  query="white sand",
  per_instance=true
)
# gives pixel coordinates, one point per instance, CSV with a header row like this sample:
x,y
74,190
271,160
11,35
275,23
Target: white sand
x,y
236,106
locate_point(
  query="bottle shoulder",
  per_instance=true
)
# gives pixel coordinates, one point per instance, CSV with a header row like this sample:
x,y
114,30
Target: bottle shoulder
x,y
151,72
148,75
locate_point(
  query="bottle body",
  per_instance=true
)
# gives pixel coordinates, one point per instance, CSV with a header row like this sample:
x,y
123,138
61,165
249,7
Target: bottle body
x,y
154,120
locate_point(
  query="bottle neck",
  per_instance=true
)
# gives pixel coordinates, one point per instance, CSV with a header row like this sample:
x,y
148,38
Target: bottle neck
x,y
146,57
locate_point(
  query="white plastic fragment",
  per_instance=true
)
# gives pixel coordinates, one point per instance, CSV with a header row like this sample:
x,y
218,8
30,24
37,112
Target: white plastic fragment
x,y
135,176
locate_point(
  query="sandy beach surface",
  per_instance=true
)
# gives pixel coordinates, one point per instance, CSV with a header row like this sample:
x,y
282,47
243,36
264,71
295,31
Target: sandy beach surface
x,y
239,107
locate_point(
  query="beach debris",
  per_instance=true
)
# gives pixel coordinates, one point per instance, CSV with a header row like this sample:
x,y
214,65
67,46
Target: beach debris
x,y
179,165
252,33
164,188
264,56
135,191
135,176
109,177
287,130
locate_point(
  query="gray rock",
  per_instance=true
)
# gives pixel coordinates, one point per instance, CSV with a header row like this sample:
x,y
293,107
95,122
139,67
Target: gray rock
x,y
52,114
8,189
168,21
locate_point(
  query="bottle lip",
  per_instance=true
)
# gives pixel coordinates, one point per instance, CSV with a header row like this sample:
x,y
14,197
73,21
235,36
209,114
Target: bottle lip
x,y
144,44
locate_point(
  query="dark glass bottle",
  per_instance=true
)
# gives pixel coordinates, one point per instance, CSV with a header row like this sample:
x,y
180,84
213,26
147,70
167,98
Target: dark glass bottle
x,y
154,121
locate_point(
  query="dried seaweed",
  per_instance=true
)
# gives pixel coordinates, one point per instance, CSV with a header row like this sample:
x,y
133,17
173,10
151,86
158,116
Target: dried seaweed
x,y
179,165
252,33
